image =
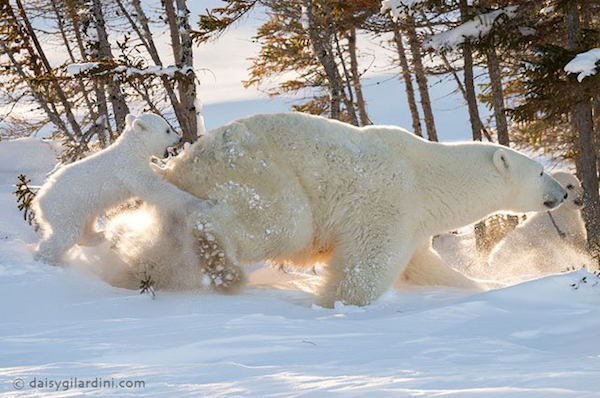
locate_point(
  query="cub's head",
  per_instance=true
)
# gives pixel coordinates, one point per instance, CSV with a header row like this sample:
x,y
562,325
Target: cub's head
x,y
150,134
573,187
529,187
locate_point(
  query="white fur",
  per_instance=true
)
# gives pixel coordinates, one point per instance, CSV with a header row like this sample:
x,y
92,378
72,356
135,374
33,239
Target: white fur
x,y
70,200
299,188
537,248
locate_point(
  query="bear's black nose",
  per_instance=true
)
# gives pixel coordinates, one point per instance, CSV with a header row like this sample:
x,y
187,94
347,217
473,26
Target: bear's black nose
x,y
566,195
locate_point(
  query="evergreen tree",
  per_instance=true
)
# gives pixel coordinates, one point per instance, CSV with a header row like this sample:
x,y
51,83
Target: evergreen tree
x,y
25,195
405,14
551,97
311,43
111,62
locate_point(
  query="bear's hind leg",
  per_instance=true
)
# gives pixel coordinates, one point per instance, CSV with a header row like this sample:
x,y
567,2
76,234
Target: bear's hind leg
x,y
52,248
220,272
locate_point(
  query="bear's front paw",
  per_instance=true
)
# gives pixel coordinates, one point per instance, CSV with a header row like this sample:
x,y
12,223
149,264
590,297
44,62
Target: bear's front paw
x,y
347,293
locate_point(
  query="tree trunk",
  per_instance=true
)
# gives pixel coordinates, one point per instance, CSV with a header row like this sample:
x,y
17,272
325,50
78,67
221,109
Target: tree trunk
x,y
468,76
103,122
146,36
187,82
463,91
582,115
495,74
348,94
360,99
332,31
173,29
62,30
469,85
97,129
481,242
584,125
407,77
322,48
415,49
179,29
53,116
596,118
115,95
480,229
42,56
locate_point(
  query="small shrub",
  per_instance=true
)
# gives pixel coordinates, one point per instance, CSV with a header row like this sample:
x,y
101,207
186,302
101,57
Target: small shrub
x,y
25,195
147,286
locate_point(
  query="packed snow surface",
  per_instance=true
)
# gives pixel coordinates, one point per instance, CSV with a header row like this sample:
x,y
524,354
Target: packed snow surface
x,y
584,64
68,333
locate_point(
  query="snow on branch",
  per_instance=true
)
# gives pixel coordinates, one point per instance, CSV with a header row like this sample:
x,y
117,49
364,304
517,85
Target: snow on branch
x,y
475,29
153,70
76,69
96,67
584,64
397,8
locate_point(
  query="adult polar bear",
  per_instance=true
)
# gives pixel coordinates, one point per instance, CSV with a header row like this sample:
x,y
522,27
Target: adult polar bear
x,y
300,188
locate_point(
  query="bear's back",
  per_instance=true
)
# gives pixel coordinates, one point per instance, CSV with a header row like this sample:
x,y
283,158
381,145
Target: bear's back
x,y
313,137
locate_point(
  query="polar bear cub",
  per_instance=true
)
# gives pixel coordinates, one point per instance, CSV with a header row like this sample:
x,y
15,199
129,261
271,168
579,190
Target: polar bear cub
x,y
547,242
67,205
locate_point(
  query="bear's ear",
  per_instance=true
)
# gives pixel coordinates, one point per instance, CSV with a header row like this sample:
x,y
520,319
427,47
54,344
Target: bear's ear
x,y
501,161
129,120
138,125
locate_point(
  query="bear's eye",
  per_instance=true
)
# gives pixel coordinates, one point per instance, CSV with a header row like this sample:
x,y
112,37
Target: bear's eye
x,y
570,186
541,173
167,131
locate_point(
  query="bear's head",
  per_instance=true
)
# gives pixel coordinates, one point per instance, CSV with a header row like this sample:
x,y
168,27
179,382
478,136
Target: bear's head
x,y
529,188
573,187
150,134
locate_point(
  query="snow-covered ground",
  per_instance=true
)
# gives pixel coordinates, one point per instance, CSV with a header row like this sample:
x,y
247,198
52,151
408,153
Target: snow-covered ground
x,y
65,332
